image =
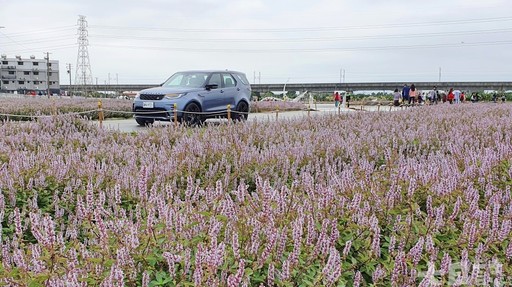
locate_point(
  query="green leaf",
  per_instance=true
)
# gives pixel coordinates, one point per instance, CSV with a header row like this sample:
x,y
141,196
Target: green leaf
x,y
35,283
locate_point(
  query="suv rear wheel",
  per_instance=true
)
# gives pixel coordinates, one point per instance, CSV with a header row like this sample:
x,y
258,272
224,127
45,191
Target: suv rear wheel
x,y
242,111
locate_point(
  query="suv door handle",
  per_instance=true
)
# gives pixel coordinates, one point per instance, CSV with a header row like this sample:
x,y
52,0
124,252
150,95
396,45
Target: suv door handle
x,y
222,91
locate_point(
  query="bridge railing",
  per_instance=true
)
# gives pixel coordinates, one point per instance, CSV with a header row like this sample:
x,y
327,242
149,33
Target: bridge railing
x,y
323,87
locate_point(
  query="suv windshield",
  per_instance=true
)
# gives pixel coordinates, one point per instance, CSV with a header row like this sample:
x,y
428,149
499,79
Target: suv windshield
x,y
187,79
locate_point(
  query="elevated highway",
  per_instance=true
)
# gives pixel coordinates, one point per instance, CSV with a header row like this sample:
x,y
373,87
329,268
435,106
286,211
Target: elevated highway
x,y
325,87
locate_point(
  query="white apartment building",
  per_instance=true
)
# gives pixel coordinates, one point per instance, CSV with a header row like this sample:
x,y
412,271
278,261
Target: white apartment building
x,y
18,75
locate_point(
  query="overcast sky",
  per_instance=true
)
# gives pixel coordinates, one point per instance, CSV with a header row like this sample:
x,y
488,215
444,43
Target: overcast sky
x,y
277,41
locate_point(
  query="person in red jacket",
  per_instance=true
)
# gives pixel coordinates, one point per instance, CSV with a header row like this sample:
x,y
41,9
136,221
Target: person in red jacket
x,y
337,99
450,96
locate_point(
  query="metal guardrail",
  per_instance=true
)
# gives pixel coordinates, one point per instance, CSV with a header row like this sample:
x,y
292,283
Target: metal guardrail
x,y
8,95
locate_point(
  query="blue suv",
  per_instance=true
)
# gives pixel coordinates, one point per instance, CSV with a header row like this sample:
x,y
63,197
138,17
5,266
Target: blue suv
x,y
198,95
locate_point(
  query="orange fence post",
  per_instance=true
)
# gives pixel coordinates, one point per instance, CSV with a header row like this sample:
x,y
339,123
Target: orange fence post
x,y
229,112
100,113
175,109
277,114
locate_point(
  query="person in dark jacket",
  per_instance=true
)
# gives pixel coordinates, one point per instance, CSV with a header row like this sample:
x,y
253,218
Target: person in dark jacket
x,y
405,93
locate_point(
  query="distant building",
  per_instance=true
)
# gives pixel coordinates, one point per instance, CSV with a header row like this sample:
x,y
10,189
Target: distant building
x,y
24,76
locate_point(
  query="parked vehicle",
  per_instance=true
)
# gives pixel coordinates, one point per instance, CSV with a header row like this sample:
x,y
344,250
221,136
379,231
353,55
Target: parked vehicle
x,y
198,95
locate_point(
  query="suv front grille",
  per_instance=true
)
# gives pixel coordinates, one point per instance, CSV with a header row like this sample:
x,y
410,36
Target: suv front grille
x,y
151,97
152,113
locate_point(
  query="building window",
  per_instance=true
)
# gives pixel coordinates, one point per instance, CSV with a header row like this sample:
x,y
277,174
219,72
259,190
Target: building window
x,y
11,72
5,62
20,63
35,63
21,82
26,73
36,73
50,73
6,82
36,82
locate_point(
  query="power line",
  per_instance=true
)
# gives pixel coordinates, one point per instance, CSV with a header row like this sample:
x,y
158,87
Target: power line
x,y
41,41
309,39
279,50
313,29
46,30
39,48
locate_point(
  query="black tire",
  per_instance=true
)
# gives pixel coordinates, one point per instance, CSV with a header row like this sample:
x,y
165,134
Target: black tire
x,y
243,111
144,122
191,115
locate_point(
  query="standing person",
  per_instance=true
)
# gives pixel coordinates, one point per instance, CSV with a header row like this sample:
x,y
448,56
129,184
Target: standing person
x,y
433,96
405,93
413,93
336,99
396,98
450,96
456,96
462,97
347,98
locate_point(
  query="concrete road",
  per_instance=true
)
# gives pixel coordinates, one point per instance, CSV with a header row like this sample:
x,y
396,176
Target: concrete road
x,y
129,125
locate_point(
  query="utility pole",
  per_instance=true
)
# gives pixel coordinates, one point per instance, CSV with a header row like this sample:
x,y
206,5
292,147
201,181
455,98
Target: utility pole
x,y
48,74
68,65
439,74
259,77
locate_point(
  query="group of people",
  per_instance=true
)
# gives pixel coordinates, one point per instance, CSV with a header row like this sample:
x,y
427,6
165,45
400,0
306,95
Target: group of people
x,y
411,95
338,99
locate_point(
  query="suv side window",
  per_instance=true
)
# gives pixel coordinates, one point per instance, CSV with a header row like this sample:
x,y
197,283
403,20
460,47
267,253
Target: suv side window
x,y
242,78
229,81
215,79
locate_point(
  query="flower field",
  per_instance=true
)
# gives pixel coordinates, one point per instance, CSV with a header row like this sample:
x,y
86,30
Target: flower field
x,y
411,198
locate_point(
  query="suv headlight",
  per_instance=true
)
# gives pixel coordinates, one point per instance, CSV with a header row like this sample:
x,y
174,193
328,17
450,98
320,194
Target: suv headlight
x,y
137,96
174,96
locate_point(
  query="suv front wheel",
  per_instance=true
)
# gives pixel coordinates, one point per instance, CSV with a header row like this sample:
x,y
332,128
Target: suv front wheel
x,y
192,115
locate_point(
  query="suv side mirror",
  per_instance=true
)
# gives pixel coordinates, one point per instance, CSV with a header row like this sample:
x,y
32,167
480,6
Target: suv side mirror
x,y
211,87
